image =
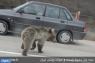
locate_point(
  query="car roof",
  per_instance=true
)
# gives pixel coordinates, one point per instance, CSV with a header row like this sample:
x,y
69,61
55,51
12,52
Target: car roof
x,y
46,4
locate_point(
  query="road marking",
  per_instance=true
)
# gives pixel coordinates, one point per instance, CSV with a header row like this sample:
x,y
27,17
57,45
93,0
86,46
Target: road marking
x,y
6,52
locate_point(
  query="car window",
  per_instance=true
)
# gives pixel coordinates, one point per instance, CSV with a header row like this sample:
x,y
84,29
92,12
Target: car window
x,y
34,9
68,15
52,12
62,14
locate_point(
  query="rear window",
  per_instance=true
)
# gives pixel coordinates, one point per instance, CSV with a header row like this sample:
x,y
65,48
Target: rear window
x,y
68,15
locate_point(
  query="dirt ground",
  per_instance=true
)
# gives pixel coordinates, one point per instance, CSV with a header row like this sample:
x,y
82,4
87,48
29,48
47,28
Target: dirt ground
x,y
90,36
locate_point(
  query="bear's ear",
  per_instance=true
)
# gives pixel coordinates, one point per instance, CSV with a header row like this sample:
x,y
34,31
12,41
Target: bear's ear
x,y
51,30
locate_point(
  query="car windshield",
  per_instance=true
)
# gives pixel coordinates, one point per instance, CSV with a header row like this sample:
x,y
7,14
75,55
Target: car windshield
x,y
18,7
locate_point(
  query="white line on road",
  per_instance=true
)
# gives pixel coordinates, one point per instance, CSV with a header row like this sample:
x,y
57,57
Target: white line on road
x,y
6,52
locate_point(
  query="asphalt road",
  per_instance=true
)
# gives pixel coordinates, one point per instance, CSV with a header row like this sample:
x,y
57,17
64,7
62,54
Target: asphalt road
x,y
10,46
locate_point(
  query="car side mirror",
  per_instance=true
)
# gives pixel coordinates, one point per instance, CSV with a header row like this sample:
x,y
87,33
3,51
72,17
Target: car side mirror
x,y
20,11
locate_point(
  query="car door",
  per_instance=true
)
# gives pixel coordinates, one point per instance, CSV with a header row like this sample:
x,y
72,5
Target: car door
x,y
31,14
52,17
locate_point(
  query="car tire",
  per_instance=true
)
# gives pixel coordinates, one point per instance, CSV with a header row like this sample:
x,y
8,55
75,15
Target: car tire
x,y
64,37
3,27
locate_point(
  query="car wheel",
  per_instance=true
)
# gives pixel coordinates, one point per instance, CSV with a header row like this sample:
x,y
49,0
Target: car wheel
x,y
64,37
3,27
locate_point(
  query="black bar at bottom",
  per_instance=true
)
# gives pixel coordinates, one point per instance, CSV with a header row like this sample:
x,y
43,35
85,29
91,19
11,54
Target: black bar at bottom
x,y
47,59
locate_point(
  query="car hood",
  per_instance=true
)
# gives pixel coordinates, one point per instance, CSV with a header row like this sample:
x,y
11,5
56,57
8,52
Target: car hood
x,y
6,11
